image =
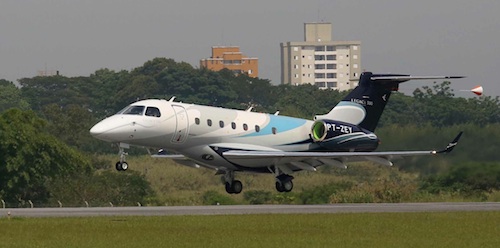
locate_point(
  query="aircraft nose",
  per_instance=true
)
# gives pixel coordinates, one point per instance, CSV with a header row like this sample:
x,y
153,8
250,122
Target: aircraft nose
x,y
97,129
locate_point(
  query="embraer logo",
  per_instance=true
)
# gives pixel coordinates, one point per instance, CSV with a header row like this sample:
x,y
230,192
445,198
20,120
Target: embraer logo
x,y
207,157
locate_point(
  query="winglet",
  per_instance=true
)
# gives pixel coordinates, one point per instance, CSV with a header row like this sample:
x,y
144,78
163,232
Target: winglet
x,y
452,144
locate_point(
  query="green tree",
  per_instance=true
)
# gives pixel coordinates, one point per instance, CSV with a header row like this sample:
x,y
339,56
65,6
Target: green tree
x,y
10,97
31,158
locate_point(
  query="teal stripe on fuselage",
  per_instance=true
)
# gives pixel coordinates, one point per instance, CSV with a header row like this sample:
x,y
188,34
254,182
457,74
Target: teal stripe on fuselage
x,y
281,123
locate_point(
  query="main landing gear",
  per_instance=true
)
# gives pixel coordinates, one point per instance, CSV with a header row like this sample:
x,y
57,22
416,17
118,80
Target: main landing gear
x,y
284,183
122,164
232,186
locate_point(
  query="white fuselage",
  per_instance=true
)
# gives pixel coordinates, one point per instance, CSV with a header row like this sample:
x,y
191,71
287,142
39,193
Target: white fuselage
x,y
199,132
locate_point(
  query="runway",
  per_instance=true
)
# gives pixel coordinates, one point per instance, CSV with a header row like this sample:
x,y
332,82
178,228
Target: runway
x,y
251,209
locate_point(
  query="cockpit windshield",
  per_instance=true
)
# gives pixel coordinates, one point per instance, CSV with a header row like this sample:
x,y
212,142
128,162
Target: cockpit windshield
x,y
132,110
139,110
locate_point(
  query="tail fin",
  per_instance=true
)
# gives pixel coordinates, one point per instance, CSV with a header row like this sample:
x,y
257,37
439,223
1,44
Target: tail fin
x,y
365,104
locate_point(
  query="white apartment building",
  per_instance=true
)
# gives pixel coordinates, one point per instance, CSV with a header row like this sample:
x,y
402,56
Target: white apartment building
x,y
320,61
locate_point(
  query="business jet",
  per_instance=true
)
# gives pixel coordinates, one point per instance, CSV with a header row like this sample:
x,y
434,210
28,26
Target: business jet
x,y
230,141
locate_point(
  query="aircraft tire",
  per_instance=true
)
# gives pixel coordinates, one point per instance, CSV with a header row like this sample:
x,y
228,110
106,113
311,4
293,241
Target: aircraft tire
x,y
279,187
118,166
287,186
121,166
124,166
236,186
229,190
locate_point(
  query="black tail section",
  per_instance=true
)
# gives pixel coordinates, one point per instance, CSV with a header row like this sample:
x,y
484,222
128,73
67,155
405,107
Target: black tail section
x,y
372,93
365,104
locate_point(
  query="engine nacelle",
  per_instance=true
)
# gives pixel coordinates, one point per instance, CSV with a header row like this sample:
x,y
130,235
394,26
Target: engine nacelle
x,y
340,136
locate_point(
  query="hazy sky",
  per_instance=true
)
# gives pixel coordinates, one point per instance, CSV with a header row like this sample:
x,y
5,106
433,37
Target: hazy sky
x,y
425,37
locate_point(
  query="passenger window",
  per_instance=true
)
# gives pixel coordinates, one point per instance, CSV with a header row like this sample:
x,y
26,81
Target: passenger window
x,y
257,128
233,125
245,127
134,110
153,111
221,124
197,121
274,130
209,122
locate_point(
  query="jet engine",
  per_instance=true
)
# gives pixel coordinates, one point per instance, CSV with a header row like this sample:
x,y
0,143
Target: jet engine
x,y
340,136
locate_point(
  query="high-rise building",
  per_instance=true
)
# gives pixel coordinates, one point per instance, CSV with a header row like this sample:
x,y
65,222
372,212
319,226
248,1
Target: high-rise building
x,y
231,58
320,61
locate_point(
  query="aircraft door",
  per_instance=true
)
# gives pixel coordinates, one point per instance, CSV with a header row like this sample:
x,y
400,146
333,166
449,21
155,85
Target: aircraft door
x,y
182,128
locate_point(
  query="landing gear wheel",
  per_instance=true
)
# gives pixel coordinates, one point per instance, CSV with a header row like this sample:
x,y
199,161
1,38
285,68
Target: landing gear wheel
x,y
286,186
279,187
235,187
121,166
228,188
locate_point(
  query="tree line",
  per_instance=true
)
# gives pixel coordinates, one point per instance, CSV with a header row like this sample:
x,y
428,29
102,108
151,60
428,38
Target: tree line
x,y
45,143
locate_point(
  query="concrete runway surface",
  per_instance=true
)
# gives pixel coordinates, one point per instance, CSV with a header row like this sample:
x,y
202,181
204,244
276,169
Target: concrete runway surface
x,y
251,209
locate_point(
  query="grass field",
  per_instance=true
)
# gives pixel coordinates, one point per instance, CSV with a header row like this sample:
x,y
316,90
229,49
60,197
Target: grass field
x,y
454,229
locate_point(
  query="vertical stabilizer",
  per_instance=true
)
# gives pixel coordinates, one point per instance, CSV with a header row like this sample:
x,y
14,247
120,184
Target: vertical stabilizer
x,y
365,104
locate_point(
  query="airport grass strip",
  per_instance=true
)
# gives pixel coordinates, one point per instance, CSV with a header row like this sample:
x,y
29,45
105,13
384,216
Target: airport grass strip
x,y
452,229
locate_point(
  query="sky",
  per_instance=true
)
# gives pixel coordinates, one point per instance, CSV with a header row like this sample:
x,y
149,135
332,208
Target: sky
x,y
421,38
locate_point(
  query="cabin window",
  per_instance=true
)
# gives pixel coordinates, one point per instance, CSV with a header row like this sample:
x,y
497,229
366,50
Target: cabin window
x,y
153,111
209,122
233,125
274,130
245,127
221,124
257,128
134,110
197,121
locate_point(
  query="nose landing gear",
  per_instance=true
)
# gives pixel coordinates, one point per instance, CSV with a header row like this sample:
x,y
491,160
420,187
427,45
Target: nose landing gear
x,y
122,165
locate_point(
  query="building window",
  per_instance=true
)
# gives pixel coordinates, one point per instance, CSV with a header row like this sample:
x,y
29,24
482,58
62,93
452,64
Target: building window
x,y
296,66
355,56
319,57
331,75
319,66
331,57
331,66
320,84
233,125
355,66
245,127
310,57
296,75
295,49
296,57
209,122
319,48
330,48
331,84
221,124
197,121
354,48
319,75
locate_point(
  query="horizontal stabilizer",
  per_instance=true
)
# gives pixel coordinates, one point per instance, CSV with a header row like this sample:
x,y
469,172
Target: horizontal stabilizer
x,y
404,78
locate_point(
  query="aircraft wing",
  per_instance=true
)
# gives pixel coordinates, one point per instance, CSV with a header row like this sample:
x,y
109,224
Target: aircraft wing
x,y
309,160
